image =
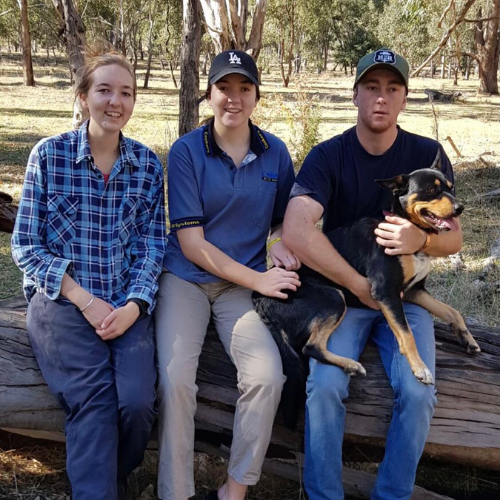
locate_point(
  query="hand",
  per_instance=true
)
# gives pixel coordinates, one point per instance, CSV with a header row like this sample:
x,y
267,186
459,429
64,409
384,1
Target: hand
x,y
271,282
97,312
399,236
281,256
363,290
119,321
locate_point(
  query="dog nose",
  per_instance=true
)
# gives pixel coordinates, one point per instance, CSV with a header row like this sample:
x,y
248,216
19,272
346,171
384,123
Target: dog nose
x,y
458,208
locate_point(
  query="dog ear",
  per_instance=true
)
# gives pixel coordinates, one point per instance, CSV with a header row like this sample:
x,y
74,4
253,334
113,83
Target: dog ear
x,y
398,185
436,165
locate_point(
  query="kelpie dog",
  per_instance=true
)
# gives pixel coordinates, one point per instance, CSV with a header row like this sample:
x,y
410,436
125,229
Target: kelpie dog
x,y
303,323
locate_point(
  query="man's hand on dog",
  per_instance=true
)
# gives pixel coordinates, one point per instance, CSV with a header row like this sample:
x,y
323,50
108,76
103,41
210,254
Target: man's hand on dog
x,y
281,256
276,279
399,236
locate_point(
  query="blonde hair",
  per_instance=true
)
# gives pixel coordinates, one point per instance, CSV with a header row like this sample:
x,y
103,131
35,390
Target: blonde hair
x,y
101,54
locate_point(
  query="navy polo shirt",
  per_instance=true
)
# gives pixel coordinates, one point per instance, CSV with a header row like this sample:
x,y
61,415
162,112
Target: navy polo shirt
x,y
340,174
235,206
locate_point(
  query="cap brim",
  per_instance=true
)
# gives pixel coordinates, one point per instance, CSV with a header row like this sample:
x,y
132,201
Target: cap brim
x,y
228,71
390,67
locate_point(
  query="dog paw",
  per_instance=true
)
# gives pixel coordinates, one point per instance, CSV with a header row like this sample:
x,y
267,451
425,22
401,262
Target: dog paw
x,y
466,339
354,368
424,375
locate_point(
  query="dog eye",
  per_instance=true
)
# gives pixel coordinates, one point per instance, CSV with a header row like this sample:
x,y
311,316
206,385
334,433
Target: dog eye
x,y
432,190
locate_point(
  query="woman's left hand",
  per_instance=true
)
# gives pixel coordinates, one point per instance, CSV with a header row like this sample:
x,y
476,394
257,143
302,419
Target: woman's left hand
x,y
281,256
119,321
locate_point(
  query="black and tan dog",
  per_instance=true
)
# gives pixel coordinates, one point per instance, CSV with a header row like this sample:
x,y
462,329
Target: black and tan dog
x,y
302,324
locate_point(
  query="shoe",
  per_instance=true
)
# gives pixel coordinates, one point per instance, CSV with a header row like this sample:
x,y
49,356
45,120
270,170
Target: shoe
x,y
213,495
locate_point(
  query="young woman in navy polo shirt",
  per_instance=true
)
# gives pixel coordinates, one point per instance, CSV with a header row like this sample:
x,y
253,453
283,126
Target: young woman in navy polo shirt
x,y
229,185
90,240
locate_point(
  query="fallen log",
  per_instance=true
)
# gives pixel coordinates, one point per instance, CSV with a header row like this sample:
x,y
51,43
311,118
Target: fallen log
x,y
465,428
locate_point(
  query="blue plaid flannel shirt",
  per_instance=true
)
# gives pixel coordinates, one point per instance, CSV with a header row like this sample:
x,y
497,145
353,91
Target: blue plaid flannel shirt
x,y
110,238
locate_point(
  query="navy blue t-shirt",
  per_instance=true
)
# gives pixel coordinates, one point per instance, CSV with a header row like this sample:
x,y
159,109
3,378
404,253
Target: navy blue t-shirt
x,y
340,174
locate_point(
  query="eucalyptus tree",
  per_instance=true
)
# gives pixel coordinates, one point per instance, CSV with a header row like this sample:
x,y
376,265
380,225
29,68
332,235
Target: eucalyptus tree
x,y
28,76
227,21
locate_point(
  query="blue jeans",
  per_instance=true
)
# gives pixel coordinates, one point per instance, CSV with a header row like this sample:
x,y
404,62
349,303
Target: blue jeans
x,y
327,388
106,389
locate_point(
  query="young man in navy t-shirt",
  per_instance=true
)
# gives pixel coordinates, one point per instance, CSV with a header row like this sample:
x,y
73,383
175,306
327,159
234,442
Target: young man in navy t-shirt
x,y
336,183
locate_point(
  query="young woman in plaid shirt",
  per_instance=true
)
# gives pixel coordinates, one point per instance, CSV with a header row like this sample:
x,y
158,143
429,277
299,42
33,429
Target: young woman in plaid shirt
x,y
89,238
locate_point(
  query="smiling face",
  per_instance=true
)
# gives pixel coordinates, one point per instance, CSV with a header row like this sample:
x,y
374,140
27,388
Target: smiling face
x,y
233,99
109,100
380,96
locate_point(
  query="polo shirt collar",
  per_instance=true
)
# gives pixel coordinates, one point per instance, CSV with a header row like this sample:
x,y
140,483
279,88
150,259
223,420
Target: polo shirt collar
x,y
83,149
258,143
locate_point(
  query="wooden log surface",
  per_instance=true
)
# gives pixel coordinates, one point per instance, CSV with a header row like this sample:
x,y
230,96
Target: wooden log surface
x,y
465,428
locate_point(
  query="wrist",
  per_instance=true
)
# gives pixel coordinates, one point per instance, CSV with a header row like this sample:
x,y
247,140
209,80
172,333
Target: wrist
x,y
426,243
141,305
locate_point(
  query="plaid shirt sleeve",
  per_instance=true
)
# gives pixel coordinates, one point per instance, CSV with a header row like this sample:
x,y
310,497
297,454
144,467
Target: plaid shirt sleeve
x,y
29,248
150,247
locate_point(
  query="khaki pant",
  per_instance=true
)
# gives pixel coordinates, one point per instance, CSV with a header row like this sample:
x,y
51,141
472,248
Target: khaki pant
x,y
182,315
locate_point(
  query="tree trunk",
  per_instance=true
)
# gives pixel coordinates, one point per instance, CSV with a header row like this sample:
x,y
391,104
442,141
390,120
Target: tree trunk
x,y
190,76
465,428
254,43
217,23
73,37
488,49
28,76
152,13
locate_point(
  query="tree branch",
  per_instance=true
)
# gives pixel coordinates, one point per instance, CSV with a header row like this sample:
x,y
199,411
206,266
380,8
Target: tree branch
x,y
446,36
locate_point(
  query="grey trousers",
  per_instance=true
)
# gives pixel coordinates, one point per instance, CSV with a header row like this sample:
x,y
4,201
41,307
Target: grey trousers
x,y
182,315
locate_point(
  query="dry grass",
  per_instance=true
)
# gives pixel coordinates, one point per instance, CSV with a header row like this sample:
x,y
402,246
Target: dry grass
x,y
31,470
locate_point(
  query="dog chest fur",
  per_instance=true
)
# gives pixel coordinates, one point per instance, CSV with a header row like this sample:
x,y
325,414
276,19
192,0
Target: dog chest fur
x,y
415,268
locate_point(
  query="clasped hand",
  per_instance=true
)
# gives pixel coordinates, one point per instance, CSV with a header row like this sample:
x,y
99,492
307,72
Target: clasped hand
x,y
108,322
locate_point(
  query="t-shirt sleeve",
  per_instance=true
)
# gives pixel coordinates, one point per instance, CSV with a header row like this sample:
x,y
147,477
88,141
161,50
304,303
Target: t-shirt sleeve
x,y
315,179
184,204
446,167
286,178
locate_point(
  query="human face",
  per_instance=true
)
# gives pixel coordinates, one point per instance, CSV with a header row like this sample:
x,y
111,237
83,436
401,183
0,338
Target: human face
x,y
109,100
232,99
380,96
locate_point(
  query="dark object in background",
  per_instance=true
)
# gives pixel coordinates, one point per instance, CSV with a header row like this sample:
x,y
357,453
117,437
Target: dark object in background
x,y
435,95
8,212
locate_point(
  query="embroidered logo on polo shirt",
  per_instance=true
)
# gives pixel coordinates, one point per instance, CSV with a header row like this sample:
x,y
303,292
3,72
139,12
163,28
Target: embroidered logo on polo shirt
x,y
385,56
206,141
270,177
187,223
262,138
234,59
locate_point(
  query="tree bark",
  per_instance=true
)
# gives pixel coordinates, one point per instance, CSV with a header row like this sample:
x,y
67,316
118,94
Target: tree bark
x,y
28,76
217,24
190,76
254,43
488,49
465,428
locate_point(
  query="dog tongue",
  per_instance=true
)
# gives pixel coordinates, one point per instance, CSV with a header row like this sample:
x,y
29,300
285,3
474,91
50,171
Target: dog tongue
x,y
451,224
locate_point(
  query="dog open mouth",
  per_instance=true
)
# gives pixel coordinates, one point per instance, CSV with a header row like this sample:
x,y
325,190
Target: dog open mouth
x,y
440,223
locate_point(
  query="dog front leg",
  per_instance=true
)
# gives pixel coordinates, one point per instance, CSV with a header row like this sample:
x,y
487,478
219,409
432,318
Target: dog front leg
x,y
392,309
423,299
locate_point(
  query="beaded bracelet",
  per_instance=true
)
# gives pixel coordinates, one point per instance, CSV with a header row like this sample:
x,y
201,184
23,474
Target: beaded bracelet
x,y
272,242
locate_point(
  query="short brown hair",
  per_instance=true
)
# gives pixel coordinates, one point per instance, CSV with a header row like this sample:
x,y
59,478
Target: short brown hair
x,y
96,56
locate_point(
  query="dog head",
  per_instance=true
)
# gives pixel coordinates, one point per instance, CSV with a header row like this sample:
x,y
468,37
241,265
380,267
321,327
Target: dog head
x,y
425,197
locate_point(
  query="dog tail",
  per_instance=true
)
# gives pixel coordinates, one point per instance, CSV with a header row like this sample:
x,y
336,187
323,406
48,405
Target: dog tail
x,y
295,371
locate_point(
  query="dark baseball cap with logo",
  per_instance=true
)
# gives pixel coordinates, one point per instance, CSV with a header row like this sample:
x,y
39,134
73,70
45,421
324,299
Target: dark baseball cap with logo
x,y
233,61
383,59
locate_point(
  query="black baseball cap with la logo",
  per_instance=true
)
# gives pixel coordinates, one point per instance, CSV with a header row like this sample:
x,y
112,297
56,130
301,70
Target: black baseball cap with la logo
x,y
233,61
383,59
